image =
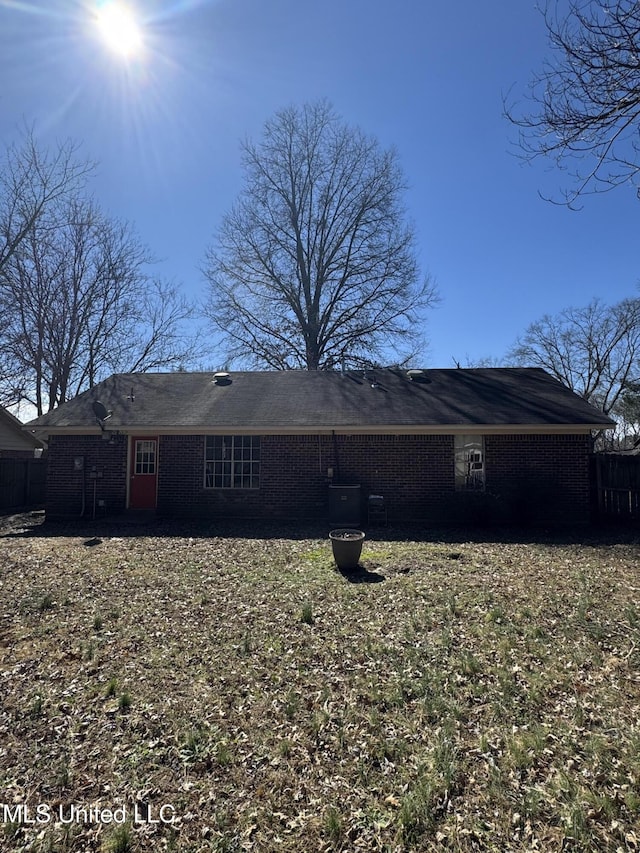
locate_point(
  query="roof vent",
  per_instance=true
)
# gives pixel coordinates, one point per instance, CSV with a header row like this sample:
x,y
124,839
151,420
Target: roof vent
x,y
418,376
221,378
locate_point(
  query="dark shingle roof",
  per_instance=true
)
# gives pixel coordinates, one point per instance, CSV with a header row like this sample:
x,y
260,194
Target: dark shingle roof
x,y
302,400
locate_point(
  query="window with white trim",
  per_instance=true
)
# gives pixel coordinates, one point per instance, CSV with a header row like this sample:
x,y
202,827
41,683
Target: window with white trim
x,y
232,462
469,462
145,462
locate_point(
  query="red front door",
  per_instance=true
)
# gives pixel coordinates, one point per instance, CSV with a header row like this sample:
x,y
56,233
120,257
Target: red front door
x,y
144,473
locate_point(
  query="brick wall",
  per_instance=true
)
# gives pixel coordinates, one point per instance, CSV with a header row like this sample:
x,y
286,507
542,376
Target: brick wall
x,y
65,486
294,475
529,479
540,479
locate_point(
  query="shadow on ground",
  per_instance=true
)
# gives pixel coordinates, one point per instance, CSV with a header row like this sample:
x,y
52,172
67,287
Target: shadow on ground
x,y
34,523
361,575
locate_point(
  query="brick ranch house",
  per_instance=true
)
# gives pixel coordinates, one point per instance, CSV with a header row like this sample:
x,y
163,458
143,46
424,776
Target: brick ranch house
x,y
450,445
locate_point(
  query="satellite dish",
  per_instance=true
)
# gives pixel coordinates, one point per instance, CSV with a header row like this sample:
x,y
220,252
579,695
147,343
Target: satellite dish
x,y
100,411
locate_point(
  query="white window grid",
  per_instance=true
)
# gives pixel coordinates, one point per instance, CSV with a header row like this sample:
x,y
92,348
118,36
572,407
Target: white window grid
x,y
145,457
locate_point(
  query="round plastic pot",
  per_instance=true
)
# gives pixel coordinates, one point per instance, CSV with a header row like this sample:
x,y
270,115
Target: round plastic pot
x,y
347,547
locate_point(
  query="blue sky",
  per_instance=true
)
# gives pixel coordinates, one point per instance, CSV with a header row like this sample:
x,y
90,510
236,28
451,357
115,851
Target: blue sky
x,y
427,78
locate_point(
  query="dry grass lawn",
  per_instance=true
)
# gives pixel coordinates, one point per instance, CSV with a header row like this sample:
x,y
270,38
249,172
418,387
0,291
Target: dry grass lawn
x,y
464,695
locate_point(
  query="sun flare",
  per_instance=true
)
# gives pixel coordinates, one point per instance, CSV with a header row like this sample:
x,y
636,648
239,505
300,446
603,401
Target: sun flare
x,y
119,29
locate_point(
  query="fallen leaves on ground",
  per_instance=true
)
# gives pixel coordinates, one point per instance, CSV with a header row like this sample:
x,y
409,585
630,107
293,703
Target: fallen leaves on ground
x,y
485,695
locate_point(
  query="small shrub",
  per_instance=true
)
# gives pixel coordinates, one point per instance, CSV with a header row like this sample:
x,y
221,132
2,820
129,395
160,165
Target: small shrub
x,y
97,622
112,688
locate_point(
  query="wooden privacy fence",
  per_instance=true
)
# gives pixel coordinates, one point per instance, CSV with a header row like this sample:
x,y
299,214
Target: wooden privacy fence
x,y
22,482
615,479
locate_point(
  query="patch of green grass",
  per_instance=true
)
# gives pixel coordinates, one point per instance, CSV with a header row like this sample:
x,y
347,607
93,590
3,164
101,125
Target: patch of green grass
x,y
63,775
37,705
291,704
307,614
11,830
223,753
525,748
121,840
124,702
247,643
416,817
333,825
46,603
194,742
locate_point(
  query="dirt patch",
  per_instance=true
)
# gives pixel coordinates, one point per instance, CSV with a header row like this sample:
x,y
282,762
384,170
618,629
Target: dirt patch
x,y
21,522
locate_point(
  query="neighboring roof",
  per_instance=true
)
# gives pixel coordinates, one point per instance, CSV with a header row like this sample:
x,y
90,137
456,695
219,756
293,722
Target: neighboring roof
x,y
307,401
13,435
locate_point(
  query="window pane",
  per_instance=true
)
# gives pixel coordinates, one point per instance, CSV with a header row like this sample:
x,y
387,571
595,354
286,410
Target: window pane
x,y
145,457
469,462
232,462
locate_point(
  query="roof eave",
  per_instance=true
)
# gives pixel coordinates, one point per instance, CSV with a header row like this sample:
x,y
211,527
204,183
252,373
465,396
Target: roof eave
x,y
339,429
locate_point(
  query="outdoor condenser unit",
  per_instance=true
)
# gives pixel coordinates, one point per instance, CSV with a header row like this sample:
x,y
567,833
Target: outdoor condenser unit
x,y
345,506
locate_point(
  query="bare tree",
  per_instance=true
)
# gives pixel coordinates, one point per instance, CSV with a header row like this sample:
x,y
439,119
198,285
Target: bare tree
x,y
78,303
32,182
315,263
595,350
586,99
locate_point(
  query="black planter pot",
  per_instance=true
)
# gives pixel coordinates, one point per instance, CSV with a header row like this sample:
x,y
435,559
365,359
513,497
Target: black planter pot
x,y
347,547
